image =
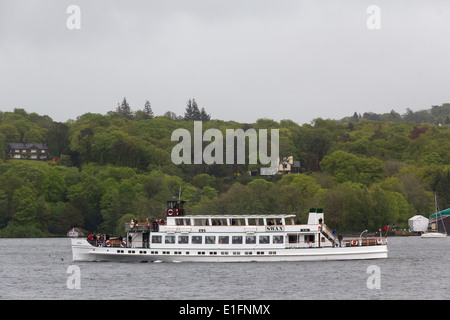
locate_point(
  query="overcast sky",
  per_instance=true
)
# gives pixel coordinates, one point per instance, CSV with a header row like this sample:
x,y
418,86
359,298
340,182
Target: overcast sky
x,y
240,59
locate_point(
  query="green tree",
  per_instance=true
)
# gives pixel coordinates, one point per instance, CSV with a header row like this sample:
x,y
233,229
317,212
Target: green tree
x,y
297,193
148,110
24,205
4,203
124,109
348,167
209,192
53,186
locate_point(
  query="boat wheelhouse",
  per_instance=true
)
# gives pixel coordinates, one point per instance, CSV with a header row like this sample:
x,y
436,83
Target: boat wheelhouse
x,y
229,238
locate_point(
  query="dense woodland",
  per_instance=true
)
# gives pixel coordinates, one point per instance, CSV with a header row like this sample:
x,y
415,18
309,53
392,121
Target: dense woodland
x,y
365,171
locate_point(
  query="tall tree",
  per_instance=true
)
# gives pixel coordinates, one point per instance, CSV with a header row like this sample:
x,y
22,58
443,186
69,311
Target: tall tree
x,y
189,113
204,116
148,110
195,110
124,109
192,111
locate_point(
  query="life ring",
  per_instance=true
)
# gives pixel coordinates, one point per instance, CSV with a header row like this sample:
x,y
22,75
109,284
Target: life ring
x,y
354,242
108,243
169,212
176,212
123,244
379,241
310,244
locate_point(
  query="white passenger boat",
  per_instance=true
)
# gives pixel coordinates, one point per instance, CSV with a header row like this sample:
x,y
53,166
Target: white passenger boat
x,y
229,238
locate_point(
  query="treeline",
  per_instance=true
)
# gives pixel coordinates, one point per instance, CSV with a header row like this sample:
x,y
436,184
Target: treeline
x,y
365,174
436,115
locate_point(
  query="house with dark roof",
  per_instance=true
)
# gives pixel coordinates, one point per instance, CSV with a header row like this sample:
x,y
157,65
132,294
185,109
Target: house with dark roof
x,y
33,151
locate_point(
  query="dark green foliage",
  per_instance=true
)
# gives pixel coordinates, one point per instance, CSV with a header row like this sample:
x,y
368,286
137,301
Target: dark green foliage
x,y
114,167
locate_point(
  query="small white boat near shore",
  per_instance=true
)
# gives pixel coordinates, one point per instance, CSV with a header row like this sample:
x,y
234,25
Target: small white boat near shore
x,y
433,235
229,238
435,226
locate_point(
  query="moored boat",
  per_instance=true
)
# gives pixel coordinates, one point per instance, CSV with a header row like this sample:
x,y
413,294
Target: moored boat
x,y
439,216
229,238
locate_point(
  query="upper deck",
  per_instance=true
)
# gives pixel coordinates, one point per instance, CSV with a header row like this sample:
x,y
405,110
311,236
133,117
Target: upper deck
x,y
231,220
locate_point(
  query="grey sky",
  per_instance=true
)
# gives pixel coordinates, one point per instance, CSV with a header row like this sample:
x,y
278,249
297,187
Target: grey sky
x,y
241,60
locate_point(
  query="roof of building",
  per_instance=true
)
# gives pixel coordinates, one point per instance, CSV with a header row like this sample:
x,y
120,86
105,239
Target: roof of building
x,y
28,145
445,212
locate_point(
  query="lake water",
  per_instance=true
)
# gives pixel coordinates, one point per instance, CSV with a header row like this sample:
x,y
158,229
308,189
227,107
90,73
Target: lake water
x,y
37,269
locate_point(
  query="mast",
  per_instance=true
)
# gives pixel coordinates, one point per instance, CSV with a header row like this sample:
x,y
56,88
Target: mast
x,y
436,211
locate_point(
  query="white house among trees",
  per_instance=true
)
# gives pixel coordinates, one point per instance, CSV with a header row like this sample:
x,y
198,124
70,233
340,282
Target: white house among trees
x,y
33,151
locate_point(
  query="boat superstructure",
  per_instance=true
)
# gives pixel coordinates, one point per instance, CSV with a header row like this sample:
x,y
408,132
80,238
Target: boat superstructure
x,y
229,238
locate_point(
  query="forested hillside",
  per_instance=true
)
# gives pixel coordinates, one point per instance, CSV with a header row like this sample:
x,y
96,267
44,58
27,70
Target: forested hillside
x,y
365,173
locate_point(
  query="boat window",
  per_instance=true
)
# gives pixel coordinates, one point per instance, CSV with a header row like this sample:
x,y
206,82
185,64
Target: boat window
x,y
197,239
219,222
250,239
278,239
201,222
293,238
279,221
224,239
170,239
179,222
236,239
264,239
187,222
289,221
210,239
156,239
309,238
183,239
237,222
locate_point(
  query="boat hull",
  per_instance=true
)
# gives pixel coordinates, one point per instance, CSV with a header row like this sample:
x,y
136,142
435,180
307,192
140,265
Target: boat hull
x,y
433,235
83,251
